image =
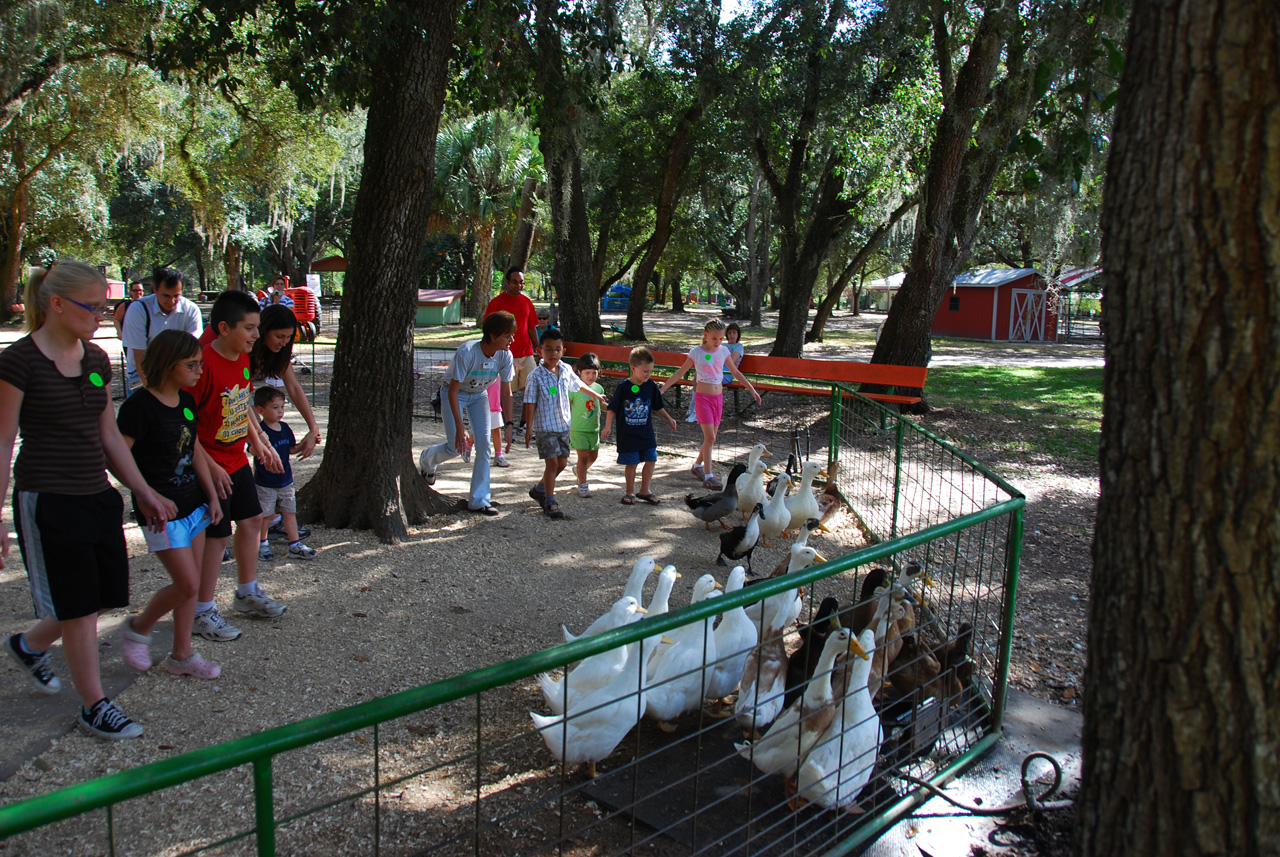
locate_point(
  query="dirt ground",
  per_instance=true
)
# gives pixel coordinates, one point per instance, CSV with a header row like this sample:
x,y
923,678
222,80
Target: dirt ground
x,y
366,620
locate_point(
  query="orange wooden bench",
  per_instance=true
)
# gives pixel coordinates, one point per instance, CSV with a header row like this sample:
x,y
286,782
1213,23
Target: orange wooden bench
x,y
818,374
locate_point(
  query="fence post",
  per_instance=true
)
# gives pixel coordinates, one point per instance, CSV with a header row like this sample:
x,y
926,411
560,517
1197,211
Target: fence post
x,y
897,479
1012,558
833,446
263,811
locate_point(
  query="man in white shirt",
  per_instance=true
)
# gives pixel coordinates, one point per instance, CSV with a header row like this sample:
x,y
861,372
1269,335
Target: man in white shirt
x,y
164,309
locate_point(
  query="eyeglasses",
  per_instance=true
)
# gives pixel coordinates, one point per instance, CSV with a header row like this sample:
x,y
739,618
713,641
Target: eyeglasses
x,y
193,366
101,309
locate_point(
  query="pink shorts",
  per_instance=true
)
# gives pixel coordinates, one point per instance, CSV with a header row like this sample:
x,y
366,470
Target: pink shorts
x,y
495,401
708,408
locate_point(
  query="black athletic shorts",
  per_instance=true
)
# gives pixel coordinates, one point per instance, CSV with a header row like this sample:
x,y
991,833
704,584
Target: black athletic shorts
x,y
240,506
73,548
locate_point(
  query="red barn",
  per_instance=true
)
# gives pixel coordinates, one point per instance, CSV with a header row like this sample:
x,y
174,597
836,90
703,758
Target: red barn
x,y
1012,304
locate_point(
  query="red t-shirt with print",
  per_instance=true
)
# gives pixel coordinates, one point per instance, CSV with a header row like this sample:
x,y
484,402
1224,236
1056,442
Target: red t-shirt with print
x,y
224,400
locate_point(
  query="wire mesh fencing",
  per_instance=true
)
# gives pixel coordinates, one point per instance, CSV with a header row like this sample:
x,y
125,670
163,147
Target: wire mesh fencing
x,y
789,727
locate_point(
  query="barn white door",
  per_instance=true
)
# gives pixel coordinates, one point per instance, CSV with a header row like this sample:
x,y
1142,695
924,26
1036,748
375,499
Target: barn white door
x,y
1026,315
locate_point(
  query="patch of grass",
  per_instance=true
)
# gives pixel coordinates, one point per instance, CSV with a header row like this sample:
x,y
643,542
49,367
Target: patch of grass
x,y
1050,413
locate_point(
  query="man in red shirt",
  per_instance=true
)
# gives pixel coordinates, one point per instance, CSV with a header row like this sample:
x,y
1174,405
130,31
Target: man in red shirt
x,y
512,300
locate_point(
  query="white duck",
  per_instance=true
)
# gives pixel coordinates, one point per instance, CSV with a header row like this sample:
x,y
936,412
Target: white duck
x,y
841,763
659,603
681,672
703,588
764,678
595,671
597,722
776,516
790,601
797,730
635,588
751,483
803,505
736,636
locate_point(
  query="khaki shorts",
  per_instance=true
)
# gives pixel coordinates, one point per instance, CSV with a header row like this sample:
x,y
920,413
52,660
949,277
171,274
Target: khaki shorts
x,y
524,368
277,499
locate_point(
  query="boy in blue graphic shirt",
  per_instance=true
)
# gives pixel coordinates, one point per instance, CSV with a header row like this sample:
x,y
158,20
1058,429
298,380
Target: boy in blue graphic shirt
x,y
275,490
634,402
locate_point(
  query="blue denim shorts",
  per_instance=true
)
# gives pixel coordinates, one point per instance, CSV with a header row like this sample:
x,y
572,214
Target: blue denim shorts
x,y
629,458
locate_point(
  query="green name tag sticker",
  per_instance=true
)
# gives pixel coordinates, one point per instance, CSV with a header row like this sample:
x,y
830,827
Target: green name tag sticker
x,y
95,379
552,390
635,389
246,374
186,412
706,357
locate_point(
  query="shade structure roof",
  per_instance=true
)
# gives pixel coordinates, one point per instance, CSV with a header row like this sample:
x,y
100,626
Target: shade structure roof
x,y
329,263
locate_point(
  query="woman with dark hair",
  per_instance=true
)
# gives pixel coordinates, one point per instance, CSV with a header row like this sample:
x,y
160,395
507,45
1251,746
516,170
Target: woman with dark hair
x,y
272,362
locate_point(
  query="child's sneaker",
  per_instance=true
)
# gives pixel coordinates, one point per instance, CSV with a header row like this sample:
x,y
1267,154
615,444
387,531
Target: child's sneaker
x,y
696,470
711,483
106,720
265,553
276,531
135,647
36,665
301,551
499,459
211,626
193,666
258,604
584,490
226,554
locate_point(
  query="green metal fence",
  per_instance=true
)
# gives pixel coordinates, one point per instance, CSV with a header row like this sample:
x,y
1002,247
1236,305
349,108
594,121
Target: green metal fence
x,y
499,790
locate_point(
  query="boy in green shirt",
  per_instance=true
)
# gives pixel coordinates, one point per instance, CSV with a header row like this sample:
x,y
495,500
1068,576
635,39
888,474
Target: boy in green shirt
x,y
584,420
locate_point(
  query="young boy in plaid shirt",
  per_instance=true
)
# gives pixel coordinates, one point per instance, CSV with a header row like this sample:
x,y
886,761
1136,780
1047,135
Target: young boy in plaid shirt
x,y
547,411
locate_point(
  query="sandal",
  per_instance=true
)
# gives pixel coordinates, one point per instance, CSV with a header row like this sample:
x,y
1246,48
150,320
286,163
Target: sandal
x,y
648,498
628,500
552,509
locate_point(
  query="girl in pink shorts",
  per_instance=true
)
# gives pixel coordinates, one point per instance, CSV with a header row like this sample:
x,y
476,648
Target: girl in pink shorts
x,y
709,360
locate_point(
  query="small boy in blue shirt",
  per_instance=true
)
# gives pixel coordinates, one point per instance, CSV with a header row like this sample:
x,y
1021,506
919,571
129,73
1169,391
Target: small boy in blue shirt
x,y
275,490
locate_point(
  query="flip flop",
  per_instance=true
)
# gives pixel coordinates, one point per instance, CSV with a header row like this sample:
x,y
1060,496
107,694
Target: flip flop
x,y
628,500
648,498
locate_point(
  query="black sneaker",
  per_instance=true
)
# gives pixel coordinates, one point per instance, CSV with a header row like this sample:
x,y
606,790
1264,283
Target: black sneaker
x,y
226,554
37,666
106,720
276,531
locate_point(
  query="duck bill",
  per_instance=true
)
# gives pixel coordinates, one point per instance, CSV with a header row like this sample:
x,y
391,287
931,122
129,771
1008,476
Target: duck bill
x,y
641,610
718,586
856,648
667,640
817,557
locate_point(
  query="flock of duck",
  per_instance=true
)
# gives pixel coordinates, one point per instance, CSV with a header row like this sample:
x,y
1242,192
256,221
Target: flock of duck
x,y
812,716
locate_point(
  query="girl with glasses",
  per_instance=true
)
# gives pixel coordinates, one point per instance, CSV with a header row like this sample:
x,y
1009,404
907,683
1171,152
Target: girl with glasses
x,y
55,387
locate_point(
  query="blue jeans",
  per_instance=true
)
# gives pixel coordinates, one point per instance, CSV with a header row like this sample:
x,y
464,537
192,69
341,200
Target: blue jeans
x,y
476,408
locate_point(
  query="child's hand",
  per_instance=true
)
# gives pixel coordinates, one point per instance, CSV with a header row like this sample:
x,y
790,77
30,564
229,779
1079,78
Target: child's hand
x,y
215,511
221,480
158,509
307,446
271,460
671,421
755,395
464,441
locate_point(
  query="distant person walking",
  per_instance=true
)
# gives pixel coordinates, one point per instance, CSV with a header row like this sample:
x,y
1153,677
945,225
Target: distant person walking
x,y
164,309
136,292
513,300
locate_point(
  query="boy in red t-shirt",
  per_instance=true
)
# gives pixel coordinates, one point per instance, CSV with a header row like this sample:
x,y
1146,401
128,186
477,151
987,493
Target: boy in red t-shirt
x,y
224,405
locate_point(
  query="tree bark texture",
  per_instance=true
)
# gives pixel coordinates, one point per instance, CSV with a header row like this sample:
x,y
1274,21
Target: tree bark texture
x,y
1182,711
369,478
15,230
905,340
522,244
482,282
857,263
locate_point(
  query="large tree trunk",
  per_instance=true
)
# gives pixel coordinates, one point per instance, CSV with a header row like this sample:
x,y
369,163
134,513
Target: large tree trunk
x,y
15,223
368,478
482,282
231,263
857,263
522,244
572,274
1182,708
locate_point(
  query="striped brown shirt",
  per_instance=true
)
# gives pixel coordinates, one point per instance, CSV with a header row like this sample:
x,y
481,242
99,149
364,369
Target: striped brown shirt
x,y
61,450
